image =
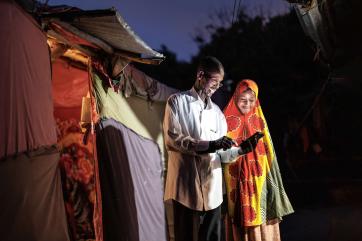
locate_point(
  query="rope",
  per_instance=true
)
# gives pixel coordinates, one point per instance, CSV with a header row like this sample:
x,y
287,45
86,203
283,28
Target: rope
x,y
315,102
232,20
238,10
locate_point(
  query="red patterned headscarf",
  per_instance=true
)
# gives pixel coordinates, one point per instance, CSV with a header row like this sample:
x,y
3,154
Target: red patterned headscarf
x,y
242,126
245,177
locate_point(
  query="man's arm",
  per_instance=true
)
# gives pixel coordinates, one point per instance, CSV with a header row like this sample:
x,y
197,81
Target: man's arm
x,y
178,141
174,138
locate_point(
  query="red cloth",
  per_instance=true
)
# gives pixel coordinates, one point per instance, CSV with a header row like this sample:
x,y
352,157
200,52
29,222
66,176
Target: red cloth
x,y
26,106
70,84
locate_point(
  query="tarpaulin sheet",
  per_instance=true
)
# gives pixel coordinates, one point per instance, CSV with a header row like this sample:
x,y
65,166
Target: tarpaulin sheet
x,y
31,201
130,175
134,112
26,107
70,84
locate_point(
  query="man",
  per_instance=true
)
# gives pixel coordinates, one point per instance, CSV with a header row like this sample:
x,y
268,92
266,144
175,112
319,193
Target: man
x,y
194,131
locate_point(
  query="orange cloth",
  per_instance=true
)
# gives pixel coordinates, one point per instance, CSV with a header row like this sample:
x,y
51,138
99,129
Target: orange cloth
x,y
254,187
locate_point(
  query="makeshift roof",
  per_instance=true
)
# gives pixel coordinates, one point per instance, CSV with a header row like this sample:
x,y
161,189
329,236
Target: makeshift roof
x,y
334,25
105,29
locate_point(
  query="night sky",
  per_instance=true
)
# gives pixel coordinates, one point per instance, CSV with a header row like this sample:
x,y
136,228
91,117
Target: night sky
x,y
173,23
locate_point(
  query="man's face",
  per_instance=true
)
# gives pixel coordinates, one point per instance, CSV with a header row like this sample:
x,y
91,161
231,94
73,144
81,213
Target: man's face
x,y
210,82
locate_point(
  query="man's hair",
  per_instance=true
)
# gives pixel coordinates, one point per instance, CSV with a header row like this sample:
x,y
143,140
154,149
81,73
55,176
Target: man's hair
x,y
210,64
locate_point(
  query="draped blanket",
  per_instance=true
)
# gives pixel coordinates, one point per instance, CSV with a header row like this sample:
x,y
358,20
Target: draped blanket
x,y
130,175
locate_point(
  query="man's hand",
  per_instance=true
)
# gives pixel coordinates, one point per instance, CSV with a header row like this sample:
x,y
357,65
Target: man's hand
x,y
222,143
249,144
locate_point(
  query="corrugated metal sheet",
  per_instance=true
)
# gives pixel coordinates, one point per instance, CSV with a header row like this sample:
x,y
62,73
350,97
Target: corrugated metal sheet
x,y
334,25
314,26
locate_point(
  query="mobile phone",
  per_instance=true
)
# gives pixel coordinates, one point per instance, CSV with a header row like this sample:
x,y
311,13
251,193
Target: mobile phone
x,y
258,135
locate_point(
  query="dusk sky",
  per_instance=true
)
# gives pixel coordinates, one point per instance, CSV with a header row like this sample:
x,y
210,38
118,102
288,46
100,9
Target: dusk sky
x,y
171,22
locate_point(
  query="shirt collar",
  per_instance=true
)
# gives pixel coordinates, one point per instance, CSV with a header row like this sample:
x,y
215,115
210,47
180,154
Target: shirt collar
x,y
197,99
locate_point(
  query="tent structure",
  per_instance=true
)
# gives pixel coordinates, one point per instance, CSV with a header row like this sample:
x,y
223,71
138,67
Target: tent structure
x,y
330,24
81,151
335,27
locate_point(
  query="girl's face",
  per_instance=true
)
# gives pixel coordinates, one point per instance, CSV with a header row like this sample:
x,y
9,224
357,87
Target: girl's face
x,y
246,101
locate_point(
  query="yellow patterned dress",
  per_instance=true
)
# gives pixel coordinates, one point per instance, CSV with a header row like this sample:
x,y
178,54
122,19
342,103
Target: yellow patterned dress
x,y
255,193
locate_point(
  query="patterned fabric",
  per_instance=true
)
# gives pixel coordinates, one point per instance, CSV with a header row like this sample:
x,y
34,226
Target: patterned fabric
x,y
254,186
77,169
268,231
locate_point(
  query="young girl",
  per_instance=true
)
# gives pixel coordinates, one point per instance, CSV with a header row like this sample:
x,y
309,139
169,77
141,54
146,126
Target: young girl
x,y
255,194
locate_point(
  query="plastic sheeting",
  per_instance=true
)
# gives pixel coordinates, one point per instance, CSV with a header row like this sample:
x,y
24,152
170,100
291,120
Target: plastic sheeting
x,y
31,201
335,26
136,82
26,107
107,25
130,175
134,112
70,84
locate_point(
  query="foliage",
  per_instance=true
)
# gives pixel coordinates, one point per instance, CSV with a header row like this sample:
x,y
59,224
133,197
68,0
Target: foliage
x,y
274,52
